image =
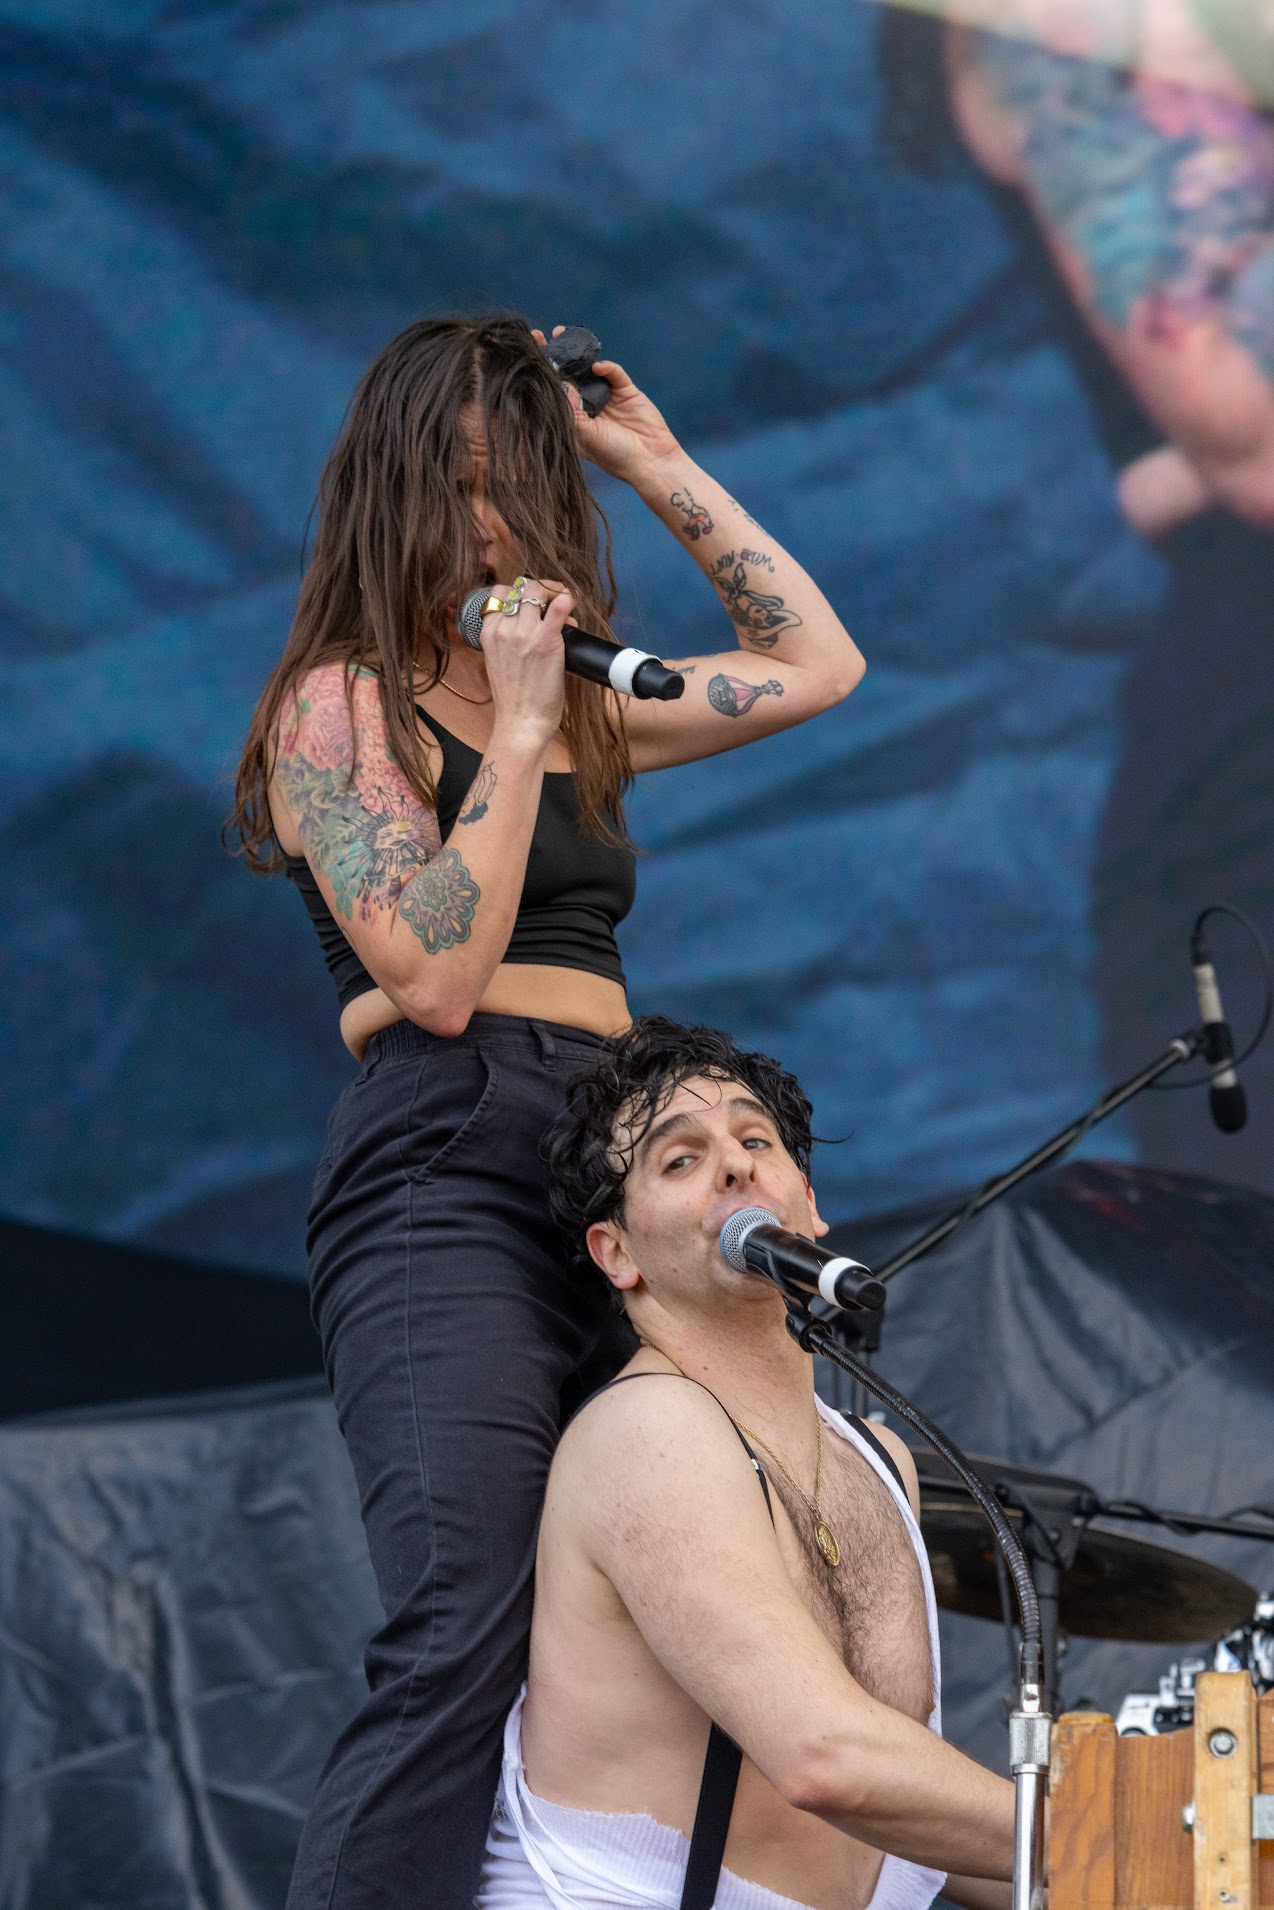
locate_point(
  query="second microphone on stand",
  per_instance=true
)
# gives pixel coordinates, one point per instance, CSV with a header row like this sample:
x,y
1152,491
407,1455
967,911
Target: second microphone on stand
x,y
631,672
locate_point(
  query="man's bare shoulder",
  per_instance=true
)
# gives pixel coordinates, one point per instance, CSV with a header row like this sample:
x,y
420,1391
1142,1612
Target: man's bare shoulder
x,y
659,1451
650,1410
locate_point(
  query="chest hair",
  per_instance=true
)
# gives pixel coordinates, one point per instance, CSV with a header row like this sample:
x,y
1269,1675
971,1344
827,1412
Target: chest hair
x,y
871,1605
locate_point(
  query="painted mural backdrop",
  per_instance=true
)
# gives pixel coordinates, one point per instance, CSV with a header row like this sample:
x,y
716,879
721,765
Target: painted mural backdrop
x,y
982,325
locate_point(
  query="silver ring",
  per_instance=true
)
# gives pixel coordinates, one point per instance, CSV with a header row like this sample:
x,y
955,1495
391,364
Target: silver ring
x,y
538,601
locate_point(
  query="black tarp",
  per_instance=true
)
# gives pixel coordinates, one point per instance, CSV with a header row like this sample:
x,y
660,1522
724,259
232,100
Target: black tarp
x,y
184,1590
184,1598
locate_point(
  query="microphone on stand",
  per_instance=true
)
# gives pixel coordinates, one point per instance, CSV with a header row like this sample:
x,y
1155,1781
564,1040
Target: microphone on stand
x,y
631,672
1226,1096
752,1241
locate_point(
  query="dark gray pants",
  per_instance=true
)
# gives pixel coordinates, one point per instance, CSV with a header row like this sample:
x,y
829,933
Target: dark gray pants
x,y
456,1341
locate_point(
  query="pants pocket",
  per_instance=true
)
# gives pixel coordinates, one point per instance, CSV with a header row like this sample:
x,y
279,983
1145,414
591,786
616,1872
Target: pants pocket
x,y
453,1100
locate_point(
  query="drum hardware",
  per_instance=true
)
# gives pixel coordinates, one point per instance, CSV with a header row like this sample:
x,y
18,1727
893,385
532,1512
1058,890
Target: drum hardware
x,y
1248,1647
1093,1580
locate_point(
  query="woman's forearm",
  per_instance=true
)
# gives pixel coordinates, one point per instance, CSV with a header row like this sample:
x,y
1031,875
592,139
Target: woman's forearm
x,y
774,604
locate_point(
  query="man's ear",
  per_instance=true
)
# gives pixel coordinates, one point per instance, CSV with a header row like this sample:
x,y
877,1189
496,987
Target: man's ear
x,y
608,1244
821,1226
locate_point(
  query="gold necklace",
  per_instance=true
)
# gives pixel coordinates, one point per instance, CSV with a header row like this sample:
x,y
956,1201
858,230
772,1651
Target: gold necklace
x,y
824,1537
480,701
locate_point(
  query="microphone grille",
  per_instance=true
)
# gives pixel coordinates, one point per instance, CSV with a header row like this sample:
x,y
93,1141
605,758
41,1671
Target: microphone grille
x,y
736,1231
469,617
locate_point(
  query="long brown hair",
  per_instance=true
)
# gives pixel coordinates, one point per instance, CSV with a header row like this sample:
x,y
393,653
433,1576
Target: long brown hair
x,y
398,542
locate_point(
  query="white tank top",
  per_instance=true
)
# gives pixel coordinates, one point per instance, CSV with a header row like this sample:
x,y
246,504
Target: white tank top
x,y
543,1856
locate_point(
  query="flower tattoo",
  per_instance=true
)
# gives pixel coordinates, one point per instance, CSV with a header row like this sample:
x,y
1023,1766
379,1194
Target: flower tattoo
x,y
438,903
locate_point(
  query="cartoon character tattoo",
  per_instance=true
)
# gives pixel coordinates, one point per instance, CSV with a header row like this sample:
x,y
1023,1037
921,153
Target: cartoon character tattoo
x,y
698,522
733,697
481,790
760,614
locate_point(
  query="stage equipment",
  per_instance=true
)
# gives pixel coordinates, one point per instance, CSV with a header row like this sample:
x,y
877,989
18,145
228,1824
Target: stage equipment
x,y
1249,1647
572,354
631,672
1205,1040
1029,1723
1227,1099
1091,1580
1178,1822
862,1334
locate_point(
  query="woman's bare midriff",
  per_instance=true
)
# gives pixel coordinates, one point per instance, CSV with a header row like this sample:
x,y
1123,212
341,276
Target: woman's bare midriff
x,y
565,995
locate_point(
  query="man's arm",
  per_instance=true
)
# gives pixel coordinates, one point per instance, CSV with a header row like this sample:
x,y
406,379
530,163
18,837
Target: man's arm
x,y
691,1552
978,1893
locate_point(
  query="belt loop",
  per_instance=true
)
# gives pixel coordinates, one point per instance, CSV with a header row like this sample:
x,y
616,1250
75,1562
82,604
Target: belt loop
x,y
548,1047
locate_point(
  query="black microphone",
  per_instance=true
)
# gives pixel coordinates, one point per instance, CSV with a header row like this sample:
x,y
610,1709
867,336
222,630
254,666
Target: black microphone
x,y
753,1242
631,672
1228,1101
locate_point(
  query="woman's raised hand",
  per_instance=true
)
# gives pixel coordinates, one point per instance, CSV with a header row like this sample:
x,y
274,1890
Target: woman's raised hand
x,y
630,434
526,660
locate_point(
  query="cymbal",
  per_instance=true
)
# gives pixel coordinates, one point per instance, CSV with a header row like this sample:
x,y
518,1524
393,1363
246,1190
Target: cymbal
x,y
1113,1585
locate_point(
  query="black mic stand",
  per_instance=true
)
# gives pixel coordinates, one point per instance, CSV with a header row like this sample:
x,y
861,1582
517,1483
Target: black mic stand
x,y
861,1334
1029,1723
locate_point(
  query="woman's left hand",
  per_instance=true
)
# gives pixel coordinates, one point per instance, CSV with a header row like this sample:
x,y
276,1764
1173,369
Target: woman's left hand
x,y
630,434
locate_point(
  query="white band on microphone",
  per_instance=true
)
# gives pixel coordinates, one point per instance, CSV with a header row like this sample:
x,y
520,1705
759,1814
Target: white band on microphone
x,y
624,666
1208,992
832,1272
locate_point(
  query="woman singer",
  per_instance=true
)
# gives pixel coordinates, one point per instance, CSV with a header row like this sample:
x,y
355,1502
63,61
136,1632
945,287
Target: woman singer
x,y
453,820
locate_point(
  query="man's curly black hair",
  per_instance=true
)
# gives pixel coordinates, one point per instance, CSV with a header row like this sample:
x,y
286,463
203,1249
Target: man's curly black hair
x,y
630,1083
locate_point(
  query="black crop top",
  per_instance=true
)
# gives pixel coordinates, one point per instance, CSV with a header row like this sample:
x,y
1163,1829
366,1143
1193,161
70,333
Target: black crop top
x,y
577,888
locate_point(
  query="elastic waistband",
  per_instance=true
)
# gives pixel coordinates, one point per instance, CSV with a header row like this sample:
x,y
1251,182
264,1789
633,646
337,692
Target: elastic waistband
x,y
542,1040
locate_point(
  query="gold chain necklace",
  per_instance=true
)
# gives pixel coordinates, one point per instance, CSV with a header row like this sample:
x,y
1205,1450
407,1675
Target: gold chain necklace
x,y
824,1537
480,701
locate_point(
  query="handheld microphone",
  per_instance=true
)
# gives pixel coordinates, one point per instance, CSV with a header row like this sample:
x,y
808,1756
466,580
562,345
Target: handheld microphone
x,y
631,672
753,1242
1226,1096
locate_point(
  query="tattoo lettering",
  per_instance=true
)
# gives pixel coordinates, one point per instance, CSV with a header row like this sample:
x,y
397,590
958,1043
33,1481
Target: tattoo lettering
x,y
686,669
361,823
481,790
761,614
439,901
698,522
746,515
733,697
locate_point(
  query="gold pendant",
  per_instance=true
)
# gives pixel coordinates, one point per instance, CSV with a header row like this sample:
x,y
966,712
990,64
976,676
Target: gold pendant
x,y
827,1541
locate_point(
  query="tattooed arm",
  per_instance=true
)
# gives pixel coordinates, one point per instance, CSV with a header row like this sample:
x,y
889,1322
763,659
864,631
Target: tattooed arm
x,y
429,920
1156,198
791,658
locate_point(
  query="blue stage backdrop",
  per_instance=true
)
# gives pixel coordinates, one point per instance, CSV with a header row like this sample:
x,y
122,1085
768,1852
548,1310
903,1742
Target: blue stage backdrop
x,y
955,905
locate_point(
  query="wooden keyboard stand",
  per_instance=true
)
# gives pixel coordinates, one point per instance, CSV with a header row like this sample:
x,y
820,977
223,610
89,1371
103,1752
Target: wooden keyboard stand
x,y
1166,1823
